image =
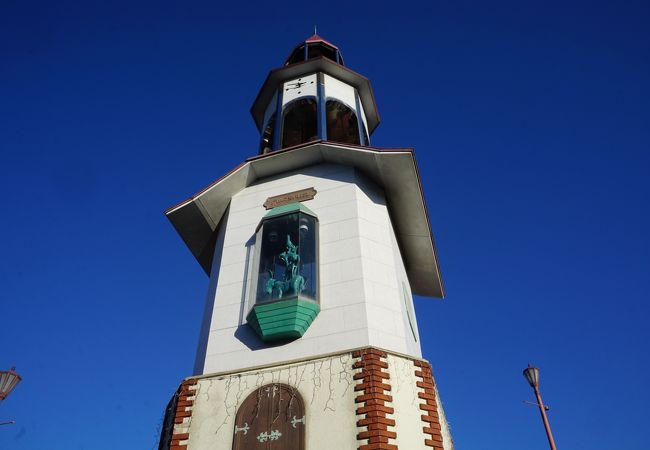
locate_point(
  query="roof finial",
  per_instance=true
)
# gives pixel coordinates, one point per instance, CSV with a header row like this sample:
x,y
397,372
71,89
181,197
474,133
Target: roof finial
x,y
315,30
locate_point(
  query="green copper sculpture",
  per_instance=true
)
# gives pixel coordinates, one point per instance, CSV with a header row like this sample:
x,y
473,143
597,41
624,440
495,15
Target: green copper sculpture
x,y
293,282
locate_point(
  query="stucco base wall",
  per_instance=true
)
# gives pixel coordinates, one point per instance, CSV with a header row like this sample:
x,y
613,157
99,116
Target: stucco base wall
x,y
325,384
363,399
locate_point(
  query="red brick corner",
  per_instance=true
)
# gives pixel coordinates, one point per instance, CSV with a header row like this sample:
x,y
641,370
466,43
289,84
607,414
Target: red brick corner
x,y
430,417
183,414
374,392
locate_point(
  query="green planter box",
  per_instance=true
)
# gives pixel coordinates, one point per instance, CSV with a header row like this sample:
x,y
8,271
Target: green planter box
x,y
284,319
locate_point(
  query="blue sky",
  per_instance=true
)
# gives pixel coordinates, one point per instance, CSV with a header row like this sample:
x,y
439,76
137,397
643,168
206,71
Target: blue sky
x,y
530,123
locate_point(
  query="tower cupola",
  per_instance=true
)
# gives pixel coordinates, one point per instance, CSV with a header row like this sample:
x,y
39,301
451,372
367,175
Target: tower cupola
x,y
314,97
314,47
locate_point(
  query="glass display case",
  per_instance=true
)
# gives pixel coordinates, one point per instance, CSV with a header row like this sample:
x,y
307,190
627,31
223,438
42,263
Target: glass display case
x,y
285,273
287,261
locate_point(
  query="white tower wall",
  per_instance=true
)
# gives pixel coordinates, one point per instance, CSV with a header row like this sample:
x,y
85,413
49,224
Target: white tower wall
x,y
362,275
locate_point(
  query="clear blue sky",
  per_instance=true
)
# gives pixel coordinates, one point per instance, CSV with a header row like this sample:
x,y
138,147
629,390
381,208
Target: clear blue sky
x,y
531,126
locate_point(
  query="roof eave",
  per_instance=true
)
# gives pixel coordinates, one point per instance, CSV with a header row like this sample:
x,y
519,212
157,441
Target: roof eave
x,y
197,218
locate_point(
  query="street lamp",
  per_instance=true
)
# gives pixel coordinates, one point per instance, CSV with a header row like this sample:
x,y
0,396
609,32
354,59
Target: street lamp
x,y
8,381
532,376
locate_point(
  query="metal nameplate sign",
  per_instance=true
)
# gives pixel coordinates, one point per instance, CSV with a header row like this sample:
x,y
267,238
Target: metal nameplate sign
x,y
290,197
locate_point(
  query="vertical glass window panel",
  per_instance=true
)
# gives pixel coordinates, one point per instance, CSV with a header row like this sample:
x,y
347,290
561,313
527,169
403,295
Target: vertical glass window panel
x,y
308,232
272,279
266,143
317,50
299,122
365,135
288,258
342,124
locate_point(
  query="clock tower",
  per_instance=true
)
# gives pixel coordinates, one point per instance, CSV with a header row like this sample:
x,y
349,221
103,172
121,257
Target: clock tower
x,y
314,248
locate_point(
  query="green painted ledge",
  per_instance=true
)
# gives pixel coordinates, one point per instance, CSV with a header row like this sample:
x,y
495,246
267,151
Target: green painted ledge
x,y
288,209
284,319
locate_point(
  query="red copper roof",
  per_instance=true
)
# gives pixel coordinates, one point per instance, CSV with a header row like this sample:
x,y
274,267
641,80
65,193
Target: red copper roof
x,y
314,39
317,38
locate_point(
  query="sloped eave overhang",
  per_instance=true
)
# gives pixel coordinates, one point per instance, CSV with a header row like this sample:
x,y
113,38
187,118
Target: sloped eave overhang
x,y
395,170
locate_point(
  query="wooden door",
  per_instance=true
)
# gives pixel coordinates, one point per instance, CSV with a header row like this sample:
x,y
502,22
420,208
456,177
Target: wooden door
x,y
271,418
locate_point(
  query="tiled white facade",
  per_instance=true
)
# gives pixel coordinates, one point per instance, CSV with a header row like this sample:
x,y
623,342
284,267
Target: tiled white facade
x,y
340,91
305,86
362,276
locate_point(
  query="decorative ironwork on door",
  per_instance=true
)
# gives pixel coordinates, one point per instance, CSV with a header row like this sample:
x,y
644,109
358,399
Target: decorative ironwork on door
x,y
271,418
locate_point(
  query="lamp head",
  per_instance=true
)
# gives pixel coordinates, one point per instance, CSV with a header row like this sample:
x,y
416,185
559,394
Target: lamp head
x,y
532,376
8,381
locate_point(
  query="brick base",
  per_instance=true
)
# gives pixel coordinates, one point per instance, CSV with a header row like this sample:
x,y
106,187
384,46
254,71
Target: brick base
x,y
374,393
430,418
374,398
181,416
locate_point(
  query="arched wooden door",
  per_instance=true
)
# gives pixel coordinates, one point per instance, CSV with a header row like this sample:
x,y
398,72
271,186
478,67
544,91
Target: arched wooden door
x,y
271,418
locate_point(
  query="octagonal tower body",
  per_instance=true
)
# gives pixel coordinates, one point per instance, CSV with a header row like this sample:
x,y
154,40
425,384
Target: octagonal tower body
x,y
314,249
365,296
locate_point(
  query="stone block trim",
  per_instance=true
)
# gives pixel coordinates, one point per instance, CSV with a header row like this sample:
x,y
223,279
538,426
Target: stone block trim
x,y
183,414
373,394
430,417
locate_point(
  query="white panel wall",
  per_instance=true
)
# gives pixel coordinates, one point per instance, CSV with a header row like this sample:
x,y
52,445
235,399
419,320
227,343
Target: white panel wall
x,y
300,87
384,274
339,90
204,334
361,273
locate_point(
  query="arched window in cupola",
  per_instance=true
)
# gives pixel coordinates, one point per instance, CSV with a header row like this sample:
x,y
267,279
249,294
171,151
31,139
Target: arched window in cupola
x,y
342,123
299,122
319,49
271,418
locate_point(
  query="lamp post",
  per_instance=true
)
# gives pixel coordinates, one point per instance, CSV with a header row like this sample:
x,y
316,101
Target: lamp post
x,y
8,381
532,375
